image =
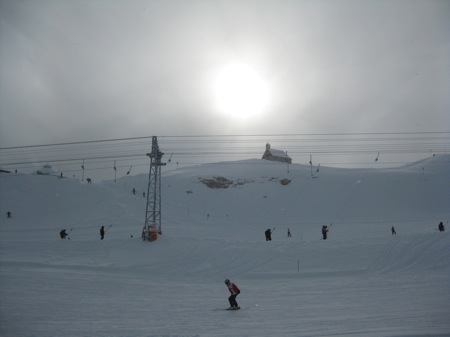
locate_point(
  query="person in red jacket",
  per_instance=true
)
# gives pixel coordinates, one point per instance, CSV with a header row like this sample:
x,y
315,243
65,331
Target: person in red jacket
x,y
234,290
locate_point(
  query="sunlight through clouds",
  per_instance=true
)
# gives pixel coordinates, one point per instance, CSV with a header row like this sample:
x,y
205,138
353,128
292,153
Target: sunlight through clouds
x,y
239,91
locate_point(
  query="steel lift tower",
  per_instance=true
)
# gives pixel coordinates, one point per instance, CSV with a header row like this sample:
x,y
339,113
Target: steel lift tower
x,y
152,226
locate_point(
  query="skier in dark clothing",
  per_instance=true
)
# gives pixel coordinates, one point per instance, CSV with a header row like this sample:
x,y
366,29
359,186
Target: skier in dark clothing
x,y
441,227
63,234
393,231
268,233
324,232
102,232
234,291
8,214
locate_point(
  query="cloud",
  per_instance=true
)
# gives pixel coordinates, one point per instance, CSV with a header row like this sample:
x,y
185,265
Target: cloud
x,y
93,70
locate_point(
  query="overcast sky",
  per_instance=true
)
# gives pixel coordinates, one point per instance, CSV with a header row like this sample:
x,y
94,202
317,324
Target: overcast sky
x,y
87,70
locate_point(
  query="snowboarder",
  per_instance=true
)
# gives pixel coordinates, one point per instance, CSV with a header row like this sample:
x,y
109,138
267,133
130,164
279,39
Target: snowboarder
x,y
441,227
63,234
268,233
393,231
289,233
234,291
102,232
8,214
324,232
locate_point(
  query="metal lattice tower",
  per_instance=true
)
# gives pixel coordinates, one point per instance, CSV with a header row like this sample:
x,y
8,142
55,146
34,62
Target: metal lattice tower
x,y
153,209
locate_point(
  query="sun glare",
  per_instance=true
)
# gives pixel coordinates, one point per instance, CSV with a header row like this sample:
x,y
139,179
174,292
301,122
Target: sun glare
x,y
240,91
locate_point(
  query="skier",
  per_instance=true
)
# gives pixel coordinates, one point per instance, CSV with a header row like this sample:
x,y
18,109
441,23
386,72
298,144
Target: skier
x,y
102,232
268,233
8,214
63,234
289,233
441,227
234,290
324,232
393,231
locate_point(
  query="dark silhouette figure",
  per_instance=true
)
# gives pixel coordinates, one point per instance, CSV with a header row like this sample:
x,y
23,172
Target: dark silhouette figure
x,y
441,227
9,214
393,231
289,233
324,232
102,233
268,234
63,234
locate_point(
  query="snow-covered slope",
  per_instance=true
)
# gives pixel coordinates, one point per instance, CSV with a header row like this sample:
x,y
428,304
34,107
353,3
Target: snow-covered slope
x,y
362,281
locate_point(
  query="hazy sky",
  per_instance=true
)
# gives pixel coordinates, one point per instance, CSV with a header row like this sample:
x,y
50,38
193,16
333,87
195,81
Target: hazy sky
x,y
86,70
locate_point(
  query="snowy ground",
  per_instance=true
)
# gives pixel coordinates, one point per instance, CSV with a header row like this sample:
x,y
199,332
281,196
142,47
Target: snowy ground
x,y
362,281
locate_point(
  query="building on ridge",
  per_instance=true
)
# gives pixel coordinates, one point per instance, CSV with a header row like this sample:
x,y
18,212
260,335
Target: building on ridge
x,y
276,155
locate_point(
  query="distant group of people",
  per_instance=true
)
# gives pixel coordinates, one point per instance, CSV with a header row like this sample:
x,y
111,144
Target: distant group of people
x,y
325,229
134,192
268,233
234,290
65,235
441,228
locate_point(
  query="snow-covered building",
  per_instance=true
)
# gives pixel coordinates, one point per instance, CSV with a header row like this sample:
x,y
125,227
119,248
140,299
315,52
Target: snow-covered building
x,y
276,155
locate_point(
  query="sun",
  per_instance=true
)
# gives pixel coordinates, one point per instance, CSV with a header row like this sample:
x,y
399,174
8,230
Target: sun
x,y
239,91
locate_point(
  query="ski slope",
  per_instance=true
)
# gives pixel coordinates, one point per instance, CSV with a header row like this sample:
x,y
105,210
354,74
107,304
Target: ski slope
x,y
362,281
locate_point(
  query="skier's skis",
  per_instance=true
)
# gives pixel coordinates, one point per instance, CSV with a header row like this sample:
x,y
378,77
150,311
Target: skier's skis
x,y
231,309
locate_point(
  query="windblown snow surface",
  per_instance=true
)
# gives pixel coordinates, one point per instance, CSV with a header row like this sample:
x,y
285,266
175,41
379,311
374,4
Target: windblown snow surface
x,y
362,281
